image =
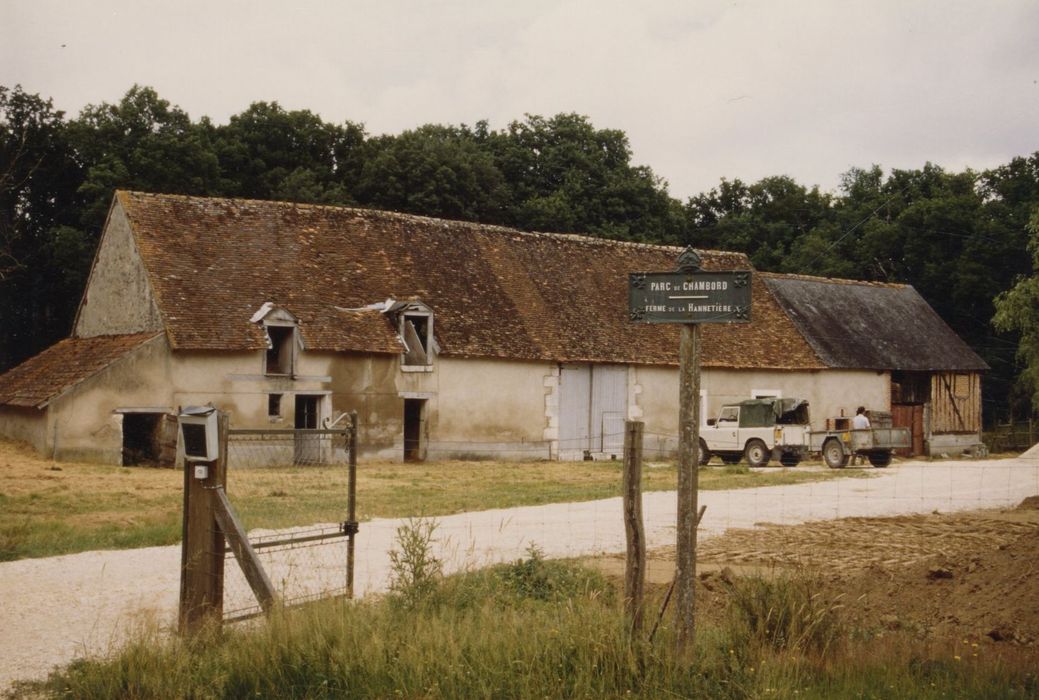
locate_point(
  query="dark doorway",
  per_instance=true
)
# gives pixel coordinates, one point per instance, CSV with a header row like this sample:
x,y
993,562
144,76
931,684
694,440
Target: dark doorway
x,y
149,440
414,417
308,447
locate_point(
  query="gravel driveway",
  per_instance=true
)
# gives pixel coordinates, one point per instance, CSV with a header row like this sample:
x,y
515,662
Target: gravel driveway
x,y
58,608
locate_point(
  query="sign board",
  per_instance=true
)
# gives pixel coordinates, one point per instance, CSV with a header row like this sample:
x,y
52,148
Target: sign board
x,y
689,297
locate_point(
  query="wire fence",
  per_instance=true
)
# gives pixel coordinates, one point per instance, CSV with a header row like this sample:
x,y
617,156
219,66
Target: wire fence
x,y
293,493
493,510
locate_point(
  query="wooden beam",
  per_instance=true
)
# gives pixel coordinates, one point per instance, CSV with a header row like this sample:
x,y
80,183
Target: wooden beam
x,y
238,541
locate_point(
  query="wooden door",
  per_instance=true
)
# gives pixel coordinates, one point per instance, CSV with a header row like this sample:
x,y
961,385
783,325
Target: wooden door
x,y
910,415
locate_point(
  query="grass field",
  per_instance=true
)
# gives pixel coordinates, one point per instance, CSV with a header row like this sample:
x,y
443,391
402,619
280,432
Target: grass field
x,y
49,508
545,629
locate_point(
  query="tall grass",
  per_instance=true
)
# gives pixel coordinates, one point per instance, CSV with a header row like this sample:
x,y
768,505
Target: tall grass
x,y
534,629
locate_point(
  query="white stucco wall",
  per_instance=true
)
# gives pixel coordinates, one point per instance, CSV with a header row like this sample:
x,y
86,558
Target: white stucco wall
x,y
83,423
27,425
501,408
118,297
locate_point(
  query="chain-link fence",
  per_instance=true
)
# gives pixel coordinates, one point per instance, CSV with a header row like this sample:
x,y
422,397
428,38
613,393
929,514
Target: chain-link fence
x,y
294,493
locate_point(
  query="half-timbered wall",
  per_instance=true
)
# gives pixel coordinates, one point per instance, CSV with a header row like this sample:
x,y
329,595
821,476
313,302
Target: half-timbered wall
x,y
955,402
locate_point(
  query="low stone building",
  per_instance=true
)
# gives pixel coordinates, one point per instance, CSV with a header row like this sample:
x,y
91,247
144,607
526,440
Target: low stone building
x,y
449,339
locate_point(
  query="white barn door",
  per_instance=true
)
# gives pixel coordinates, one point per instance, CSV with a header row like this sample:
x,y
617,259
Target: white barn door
x,y
593,403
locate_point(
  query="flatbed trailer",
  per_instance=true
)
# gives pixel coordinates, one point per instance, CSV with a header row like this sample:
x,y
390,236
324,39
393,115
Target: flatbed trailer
x,y
876,443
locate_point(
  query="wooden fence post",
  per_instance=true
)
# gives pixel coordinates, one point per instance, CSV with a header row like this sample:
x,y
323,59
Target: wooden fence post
x,y
351,494
202,545
688,486
635,563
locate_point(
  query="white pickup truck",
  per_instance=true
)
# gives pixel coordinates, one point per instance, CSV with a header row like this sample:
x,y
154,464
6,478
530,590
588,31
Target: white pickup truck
x,y
758,430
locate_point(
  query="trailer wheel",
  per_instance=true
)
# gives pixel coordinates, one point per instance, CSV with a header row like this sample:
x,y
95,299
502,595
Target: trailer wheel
x,y
880,458
705,454
756,453
833,454
790,459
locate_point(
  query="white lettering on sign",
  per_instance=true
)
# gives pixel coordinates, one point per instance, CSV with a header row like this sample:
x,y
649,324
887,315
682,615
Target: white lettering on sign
x,y
710,308
704,285
660,286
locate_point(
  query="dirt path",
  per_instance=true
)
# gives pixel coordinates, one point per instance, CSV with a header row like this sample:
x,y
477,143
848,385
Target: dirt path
x,y
58,608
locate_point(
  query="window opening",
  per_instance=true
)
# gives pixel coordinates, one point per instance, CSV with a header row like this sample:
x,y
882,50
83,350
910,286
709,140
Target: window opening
x,y
416,337
279,354
274,406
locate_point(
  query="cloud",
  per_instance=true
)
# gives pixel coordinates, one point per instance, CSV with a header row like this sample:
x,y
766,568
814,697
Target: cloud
x,y
704,90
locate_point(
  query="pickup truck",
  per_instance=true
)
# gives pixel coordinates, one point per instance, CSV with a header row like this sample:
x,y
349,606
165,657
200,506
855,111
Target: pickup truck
x,y
839,443
758,430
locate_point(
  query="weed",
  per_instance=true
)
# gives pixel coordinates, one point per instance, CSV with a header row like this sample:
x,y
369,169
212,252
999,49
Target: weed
x,y
414,569
783,613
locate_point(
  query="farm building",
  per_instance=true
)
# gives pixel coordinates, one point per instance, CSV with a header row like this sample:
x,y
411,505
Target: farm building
x,y
448,338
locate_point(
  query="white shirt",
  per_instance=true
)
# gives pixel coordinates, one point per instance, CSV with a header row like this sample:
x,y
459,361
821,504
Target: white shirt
x,y
860,422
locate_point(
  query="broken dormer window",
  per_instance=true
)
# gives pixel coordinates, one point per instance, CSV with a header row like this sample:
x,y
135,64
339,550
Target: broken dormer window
x,y
417,339
281,350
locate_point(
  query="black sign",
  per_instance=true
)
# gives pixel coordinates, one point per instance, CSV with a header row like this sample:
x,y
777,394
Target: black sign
x,y
689,297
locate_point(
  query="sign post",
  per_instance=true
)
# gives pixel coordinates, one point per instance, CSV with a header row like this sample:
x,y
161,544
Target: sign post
x,y
688,297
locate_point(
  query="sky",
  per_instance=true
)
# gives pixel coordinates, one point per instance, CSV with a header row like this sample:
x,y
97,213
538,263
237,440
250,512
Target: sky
x,y
704,89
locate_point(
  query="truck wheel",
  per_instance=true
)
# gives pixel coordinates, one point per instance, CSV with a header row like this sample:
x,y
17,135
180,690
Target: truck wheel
x,y
880,458
756,454
705,454
833,454
789,459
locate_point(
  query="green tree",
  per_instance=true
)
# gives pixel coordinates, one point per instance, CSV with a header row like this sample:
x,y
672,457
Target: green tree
x,y
436,171
567,176
141,143
764,220
42,253
1017,309
266,152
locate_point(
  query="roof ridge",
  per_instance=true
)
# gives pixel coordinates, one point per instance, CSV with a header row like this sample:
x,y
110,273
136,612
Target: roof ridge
x,y
400,216
831,280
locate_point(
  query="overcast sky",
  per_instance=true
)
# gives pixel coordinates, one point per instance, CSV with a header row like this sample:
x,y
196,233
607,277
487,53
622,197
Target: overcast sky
x,y
703,89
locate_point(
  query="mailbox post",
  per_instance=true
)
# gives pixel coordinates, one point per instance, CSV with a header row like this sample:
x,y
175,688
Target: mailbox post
x,y
203,432
689,297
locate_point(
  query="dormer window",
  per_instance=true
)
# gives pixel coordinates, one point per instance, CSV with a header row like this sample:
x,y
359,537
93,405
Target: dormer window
x,y
281,350
415,326
281,330
416,337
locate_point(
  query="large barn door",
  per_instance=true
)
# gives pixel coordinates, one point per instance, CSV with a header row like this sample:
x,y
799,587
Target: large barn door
x,y
575,400
609,404
593,403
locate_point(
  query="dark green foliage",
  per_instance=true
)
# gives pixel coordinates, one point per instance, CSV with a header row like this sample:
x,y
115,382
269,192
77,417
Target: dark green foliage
x,y
959,238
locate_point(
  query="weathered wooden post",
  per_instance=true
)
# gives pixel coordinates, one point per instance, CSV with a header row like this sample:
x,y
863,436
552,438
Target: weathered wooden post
x,y
204,436
350,526
688,483
635,533
688,297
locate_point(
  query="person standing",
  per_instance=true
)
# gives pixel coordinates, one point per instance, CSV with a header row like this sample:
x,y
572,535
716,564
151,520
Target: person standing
x,y
860,421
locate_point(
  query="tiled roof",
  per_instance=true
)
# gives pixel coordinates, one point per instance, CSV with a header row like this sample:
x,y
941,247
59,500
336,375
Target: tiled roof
x,y
495,292
38,380
871,325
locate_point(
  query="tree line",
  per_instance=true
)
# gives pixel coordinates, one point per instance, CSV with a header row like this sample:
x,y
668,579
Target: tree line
x,y
961,239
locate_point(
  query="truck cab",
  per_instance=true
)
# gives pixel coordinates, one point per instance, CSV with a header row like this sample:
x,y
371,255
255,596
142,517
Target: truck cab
x,y
758,430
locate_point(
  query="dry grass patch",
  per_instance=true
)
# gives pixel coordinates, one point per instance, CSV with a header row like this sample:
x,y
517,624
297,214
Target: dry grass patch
x,y
49,508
